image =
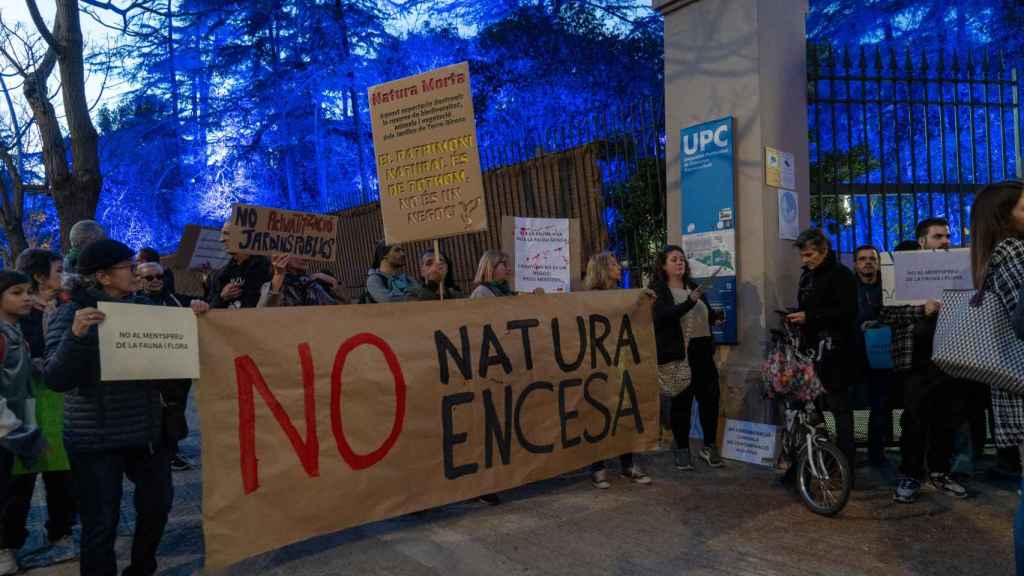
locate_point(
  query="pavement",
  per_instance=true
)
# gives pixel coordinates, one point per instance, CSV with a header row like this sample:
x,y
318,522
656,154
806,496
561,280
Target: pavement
x,y
732,521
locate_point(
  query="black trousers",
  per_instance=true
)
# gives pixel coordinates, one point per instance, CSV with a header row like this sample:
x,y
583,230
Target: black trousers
x,y
837,401
60,507
928,422
703,387
99,478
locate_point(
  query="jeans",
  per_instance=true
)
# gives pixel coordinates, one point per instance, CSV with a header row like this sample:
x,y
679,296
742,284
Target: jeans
x,y
625,461
99,479
60,508
927,423
703,387
879,383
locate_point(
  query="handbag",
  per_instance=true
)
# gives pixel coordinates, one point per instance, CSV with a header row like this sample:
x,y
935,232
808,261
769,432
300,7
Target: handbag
x,y
674,377
974,340
878,343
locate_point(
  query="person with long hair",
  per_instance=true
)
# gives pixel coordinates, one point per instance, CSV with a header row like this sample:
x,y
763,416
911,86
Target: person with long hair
x,y
437,275
997,267
604,273
686,354
492,274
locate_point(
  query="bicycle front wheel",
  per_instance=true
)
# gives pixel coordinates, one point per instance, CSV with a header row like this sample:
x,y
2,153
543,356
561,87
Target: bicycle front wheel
x,y
825,486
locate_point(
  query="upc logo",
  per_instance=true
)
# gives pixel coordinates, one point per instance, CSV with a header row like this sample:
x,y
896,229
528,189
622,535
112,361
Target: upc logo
x,y
698,142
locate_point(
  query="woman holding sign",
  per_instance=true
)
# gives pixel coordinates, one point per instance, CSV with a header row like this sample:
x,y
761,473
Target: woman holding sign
x,y
605,273
111,429
686,354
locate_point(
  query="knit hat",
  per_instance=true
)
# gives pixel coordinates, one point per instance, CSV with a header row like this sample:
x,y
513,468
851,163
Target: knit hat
x,y
10,278
103,254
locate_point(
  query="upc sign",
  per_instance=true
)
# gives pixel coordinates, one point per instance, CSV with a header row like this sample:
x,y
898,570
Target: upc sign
x,y
698,141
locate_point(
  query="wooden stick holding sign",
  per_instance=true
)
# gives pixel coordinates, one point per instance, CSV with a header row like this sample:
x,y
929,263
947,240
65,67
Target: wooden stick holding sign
x,y
270,231
437,258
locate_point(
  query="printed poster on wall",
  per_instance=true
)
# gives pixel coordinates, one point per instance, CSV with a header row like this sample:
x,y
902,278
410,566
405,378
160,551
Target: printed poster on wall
x,y
542,254
708,234
428,164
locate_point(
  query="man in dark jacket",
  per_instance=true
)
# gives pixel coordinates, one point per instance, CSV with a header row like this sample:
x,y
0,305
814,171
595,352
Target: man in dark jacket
x,y
239,282
828,319
110,430
153,277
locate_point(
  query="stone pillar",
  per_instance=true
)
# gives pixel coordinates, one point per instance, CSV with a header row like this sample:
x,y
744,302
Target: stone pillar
x,y
746,59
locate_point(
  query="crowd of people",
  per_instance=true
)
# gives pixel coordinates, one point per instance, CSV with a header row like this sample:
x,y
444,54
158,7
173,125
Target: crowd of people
x,y
95,435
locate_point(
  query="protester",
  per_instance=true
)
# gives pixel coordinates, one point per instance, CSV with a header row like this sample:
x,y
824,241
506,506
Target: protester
x,y
604,273
152,277
492,276
436,272
151,255
43,268
111,430
83,233
238,284
827,316
385,281
686,355
328,282
997,267
290,286
18,436
928,422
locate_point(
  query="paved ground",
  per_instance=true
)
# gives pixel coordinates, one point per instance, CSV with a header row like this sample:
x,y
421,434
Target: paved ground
x,y
734,521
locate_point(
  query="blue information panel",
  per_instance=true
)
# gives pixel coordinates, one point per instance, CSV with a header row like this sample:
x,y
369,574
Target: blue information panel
x,y
709,233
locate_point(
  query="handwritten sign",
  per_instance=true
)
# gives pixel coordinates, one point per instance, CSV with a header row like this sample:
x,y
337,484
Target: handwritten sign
x,y
542,254
269,231
428,164
749,442
318,419
140,342
923,274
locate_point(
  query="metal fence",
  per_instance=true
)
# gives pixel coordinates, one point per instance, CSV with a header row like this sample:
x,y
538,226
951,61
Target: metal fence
x,y
897,137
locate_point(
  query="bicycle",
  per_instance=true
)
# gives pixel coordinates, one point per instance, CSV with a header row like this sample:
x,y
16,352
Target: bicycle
x,y
822,474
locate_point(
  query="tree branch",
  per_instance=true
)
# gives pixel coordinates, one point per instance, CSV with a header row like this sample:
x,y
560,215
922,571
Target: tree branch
x,y
44,30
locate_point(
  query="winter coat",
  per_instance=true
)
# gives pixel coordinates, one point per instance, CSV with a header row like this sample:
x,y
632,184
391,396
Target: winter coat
x,y
828,296
297,290
251,274
390,287
98,416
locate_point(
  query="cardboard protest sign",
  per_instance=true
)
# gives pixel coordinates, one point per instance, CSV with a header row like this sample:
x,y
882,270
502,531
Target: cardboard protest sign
x,y
542,255
317,419
269,231
428,164
923,274
201,248
139,342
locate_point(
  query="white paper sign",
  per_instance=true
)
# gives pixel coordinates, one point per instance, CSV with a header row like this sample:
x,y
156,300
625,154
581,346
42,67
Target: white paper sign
x,y
209,251
139,342
924,274
888,289
542,254
789,215
750,442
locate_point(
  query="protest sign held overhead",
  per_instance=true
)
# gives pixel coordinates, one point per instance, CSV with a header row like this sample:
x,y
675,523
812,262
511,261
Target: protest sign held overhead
x,y
328,424
139,342
270,231
428,164
201,248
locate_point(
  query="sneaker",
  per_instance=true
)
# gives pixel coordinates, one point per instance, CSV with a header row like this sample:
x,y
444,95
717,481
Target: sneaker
x,y
635,474
490,499
600,480
683,461
945,484
710,455
906,491
8,562
179,464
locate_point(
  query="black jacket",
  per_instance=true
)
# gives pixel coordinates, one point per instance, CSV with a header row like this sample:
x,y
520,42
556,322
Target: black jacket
x,y
828,296
668,332
253,273
98,416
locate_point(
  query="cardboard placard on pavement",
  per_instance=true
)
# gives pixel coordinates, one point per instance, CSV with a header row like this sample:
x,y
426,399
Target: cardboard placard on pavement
x,y
271,231
139,342
322,418
428,164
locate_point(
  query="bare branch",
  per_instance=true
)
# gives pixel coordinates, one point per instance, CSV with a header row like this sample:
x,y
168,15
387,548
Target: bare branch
x,y
44,30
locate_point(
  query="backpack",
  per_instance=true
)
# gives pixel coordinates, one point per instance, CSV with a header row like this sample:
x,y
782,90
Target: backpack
x,y
365,297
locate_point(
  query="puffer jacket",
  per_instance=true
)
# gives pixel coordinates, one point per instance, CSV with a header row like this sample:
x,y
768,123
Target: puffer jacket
x,y
98,416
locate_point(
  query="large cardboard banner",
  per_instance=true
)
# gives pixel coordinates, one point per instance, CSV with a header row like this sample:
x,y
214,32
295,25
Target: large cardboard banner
x,y
269,231
318,419
428,164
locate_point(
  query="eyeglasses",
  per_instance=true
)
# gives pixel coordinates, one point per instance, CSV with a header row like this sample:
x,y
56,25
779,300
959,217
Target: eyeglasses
x,y
151,277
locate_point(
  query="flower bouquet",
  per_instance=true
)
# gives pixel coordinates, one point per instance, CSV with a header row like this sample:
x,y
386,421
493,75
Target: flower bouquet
x,y
789,375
